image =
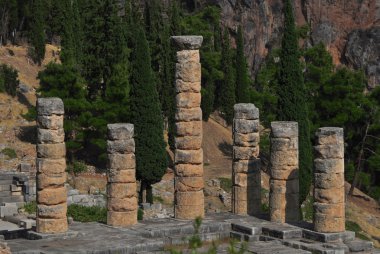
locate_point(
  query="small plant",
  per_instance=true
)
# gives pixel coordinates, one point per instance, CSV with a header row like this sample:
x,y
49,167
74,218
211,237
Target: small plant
x,y
77,167
226,184
265,208
353,226
308,209
158,199
9,152
140,214
31,207
31,115
87,213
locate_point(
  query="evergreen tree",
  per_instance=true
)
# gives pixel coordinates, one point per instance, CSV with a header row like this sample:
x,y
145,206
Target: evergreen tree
x,y
242,78
291,102
227,95
151,158
37,31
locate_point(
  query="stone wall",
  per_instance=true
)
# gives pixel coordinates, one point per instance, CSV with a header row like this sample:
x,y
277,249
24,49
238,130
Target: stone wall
x,y
329,195
189,183
246,172
284,185
121,173
51,167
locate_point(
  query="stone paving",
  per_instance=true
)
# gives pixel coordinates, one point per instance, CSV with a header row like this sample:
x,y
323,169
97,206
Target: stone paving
x,y
159,235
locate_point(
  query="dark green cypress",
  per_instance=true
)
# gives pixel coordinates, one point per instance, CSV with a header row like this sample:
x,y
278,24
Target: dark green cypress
x,y
37,33
151,160
242,78
227,95
292,105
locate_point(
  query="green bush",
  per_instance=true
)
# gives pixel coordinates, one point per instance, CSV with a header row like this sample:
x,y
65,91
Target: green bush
x,y
8,80
87,214
11,153
226,184
140,214
353,226
77,167
31,207
31,115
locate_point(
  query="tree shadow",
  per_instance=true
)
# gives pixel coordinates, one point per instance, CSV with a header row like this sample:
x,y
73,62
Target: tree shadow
x,y
27,134
225,148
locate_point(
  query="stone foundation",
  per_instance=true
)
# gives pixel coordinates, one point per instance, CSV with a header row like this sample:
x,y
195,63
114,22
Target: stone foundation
x,y
51,167
246,176
189,183
329,203
284,185
122,201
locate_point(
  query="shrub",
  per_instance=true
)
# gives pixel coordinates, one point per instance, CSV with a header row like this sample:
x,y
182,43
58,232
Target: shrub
x,y
226,184
8,80
140,214
31,207
87,214
353,226
11,153
31,115
77,167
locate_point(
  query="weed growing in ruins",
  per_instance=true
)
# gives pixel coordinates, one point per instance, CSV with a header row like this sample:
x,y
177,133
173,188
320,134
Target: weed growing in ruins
x,y
308,209
226,184
31,115
9,152
353,226
87,214
140,214
31,207
77,167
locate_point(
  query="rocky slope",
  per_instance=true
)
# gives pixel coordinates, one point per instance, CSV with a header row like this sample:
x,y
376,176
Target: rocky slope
x,y
348,28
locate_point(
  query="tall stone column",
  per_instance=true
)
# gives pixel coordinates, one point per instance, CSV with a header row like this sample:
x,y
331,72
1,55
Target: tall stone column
x,y
51,167
121,174
246,176
189,183
284,181
329,203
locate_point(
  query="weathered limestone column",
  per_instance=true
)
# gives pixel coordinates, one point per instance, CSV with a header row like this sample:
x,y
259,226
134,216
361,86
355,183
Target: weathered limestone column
x,y
329,203
284,185
246,176
51,167
189,183
121,174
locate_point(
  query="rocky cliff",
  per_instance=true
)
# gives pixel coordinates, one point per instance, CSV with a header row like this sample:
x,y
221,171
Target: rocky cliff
x,y
348,28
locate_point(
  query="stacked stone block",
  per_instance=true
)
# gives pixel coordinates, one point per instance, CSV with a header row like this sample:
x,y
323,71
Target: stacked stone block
x,y
189,183
122,203
284,173
329,195
246,176
51,167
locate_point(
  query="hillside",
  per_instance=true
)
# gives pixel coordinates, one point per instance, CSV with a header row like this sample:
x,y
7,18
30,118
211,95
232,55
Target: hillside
x,y
18,134
15,132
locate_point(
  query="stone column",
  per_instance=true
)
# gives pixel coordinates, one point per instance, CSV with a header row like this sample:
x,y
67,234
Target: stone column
x,y
189,184
284,183
246,173
121,174
51,167
329,203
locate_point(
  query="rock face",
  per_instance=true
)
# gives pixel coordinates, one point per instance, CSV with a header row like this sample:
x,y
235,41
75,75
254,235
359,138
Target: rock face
x,y
246,177
284,185
329,203
331,22
51,167
189,183
122,203
363,52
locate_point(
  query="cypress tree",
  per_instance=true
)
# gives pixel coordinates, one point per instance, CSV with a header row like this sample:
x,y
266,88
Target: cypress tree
x,y
242,79
37,33
151,160
227,96
292,105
